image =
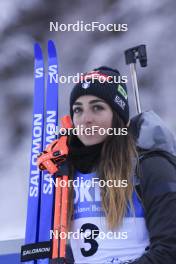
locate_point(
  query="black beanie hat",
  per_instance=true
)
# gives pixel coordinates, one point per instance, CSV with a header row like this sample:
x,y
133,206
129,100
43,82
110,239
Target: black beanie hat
x,y
97,82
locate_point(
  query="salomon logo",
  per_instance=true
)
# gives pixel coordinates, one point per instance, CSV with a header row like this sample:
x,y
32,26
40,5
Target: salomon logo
x,y
39,72
36,251
47,186
50,122
36,145
53,74
50,125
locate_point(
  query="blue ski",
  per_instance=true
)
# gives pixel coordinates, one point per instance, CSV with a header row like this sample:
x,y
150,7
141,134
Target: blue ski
x,y
37,146
51,123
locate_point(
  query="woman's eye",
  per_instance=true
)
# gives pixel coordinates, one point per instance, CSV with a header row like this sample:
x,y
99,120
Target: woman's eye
x,y
76,109
97,107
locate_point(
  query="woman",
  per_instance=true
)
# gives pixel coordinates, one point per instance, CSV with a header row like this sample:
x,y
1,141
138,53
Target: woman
x,y
109,222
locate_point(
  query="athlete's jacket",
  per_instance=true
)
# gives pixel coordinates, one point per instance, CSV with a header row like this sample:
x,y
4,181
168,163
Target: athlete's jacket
x,y
150,237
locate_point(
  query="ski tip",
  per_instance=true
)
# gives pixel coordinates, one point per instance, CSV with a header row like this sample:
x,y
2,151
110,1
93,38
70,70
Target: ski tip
x,y
38,51
51,48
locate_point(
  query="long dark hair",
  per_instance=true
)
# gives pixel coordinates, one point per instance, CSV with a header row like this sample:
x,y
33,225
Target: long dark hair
x,y
116,163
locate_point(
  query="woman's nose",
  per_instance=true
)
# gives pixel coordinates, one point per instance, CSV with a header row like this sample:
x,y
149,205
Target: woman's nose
x,y
87,117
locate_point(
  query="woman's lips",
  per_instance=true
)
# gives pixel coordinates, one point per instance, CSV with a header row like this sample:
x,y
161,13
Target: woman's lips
x,y
90,131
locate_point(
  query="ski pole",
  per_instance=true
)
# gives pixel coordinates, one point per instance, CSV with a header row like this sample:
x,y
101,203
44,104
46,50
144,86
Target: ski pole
x,y
54,159
60,219
61,204
131,55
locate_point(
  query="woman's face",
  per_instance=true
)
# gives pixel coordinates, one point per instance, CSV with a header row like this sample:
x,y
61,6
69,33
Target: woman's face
x,y
90,111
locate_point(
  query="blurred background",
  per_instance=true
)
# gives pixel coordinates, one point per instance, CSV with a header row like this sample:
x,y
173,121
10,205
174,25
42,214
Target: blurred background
x,y
22,23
